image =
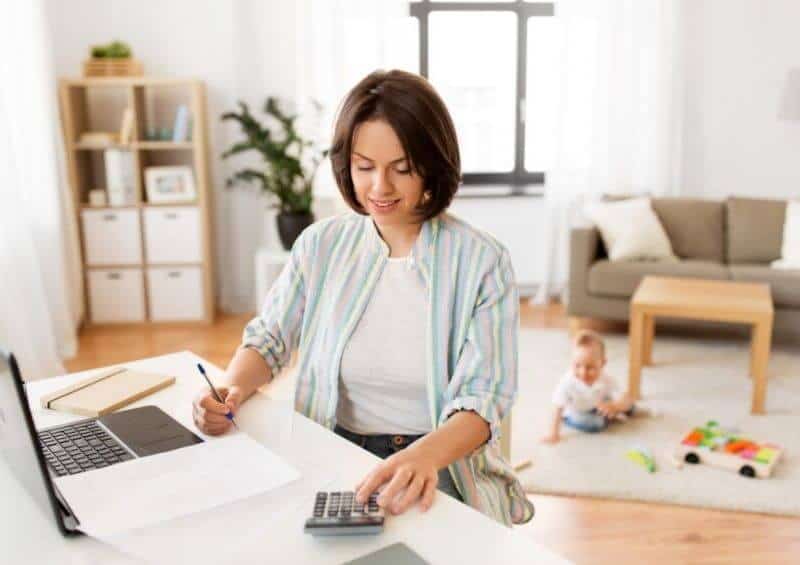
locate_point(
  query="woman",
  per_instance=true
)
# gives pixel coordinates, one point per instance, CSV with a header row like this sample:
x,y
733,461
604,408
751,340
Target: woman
x,y
406,318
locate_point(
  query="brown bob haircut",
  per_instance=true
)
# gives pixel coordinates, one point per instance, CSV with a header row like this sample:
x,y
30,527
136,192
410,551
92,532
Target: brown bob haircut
x,y
410,105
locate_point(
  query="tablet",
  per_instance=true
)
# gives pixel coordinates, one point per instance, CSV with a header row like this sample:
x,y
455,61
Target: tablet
x,y
395,554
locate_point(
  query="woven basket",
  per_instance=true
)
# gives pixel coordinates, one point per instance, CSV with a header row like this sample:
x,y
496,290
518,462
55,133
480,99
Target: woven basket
x,y
127,67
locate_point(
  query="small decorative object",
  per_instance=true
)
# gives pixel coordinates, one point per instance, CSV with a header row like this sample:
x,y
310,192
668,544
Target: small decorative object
x,y
522,465
165,134
643,457
169,185
113,59
97,198
728,449
290,165
126,127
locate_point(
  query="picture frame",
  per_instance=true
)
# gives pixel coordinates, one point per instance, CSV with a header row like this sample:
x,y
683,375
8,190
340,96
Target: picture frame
x,y
169,185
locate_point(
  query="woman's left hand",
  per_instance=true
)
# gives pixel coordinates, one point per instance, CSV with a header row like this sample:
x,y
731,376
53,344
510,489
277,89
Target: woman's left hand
x,y
411,475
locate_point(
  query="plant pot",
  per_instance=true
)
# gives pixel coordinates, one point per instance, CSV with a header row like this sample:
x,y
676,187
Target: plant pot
x,y
291,224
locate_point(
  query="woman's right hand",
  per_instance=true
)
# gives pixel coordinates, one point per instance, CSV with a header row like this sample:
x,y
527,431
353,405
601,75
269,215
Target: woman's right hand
x,y
209,415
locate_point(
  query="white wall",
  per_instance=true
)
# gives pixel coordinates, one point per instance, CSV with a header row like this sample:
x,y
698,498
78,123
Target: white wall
x,y
739,56
519,223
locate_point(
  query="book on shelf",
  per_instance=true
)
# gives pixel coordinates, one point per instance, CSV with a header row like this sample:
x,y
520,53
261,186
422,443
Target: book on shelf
x,y
126,127
120,177
180,130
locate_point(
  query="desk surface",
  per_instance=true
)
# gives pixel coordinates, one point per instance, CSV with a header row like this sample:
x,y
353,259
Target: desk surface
x,y
267,528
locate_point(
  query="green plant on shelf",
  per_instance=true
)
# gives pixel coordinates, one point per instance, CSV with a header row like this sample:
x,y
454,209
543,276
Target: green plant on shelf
x,y
113,50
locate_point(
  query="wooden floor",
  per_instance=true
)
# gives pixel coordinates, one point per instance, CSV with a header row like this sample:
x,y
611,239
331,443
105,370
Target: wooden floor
x,y
583,530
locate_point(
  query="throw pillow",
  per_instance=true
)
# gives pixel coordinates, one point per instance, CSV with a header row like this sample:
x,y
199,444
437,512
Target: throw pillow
x,y
790,248
631,230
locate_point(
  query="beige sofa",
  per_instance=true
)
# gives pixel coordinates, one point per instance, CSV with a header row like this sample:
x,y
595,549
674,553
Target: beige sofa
x,y
733,240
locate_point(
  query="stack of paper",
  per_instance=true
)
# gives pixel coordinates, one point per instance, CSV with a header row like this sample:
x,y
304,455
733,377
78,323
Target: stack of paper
x,y
153,489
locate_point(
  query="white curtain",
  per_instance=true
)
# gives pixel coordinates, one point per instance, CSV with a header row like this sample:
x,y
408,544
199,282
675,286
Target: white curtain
x,y
38,262
340,42
619,118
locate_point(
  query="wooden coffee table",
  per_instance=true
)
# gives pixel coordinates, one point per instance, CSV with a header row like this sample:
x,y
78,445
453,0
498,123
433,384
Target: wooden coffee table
x,y
698,299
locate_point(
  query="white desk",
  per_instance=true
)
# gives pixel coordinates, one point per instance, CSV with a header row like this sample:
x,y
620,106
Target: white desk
x,y
267,528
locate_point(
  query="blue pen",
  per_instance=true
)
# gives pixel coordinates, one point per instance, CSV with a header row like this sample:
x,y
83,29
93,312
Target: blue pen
x,y
229,415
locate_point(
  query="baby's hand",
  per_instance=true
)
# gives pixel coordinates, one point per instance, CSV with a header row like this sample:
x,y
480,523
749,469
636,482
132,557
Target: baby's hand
x,y
607,409
551,439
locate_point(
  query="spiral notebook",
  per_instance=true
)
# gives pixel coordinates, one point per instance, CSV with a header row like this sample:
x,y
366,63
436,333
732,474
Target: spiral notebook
x,y
106,392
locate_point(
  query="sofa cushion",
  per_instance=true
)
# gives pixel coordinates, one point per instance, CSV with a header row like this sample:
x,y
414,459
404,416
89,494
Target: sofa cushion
x,y
630,230
755,229
790,247
696,228
784,283
620,279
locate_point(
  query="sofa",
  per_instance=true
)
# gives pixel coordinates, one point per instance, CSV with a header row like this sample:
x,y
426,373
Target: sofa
x,y
734,240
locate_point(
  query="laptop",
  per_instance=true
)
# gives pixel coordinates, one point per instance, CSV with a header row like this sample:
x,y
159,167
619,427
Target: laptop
x,y
35,458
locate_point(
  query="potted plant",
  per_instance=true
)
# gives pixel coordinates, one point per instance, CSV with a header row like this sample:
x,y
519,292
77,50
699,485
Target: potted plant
x,y
290,165
112,59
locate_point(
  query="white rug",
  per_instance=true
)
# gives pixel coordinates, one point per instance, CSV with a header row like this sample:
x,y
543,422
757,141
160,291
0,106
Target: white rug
x,y
693,380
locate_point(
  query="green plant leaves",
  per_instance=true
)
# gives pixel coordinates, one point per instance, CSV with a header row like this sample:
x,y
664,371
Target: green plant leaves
x,y
283,174
113,50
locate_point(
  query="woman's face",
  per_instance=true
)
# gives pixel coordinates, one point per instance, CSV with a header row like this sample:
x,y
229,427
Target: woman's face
x,y
384,183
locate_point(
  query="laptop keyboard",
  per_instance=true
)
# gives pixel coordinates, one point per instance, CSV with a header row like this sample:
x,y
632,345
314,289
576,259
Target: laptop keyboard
x,y
80,447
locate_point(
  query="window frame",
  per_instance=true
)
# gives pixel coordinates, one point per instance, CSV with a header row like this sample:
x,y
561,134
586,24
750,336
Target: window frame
x,y
519,177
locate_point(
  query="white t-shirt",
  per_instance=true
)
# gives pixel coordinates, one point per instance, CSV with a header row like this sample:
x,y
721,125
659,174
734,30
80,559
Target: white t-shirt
x,y
383,376
575,396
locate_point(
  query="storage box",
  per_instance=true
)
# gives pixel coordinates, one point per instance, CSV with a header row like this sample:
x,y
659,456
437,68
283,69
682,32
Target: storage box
x,y
116,295
100,67
111,237
175,293
173,234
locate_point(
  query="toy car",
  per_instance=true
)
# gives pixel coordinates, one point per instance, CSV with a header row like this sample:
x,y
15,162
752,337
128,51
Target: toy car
x,y
725,448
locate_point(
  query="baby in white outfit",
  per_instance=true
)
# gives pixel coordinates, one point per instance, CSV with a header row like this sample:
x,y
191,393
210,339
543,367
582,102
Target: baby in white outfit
x,y
586,398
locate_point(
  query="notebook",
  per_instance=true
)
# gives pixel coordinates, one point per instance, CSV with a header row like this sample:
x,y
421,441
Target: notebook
x,y
106,392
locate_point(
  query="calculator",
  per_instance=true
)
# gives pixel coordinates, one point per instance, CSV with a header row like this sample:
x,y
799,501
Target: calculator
x,y
338,514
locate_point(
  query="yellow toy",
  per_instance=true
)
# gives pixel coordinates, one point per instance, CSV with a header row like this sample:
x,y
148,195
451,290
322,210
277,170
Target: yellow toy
x,y
642,456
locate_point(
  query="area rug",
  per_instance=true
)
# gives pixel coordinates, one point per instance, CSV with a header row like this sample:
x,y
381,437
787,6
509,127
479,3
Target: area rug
x,y
694,380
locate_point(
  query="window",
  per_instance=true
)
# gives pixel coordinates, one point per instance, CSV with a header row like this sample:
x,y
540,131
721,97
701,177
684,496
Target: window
x,y
489,61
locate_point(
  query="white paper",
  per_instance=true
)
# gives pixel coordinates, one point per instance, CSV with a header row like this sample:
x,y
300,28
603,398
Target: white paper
x,y
153,489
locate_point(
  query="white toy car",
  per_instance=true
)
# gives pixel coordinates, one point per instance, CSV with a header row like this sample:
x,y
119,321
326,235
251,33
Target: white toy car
x,y
725,448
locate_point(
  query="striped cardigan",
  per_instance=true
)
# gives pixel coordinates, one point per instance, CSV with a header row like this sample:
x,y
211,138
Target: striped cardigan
x,y
472,328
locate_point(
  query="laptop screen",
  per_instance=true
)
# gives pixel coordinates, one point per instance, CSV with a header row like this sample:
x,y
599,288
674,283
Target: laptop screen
x,y
17,448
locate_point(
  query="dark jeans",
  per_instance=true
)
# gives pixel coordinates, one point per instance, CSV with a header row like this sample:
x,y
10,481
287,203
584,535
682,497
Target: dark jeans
x,y
384,445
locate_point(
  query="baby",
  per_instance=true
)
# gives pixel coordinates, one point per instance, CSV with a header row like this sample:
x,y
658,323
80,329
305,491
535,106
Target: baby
x,y
586,398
